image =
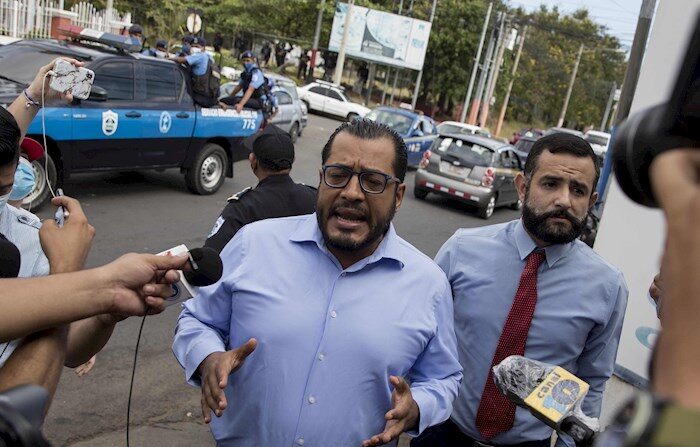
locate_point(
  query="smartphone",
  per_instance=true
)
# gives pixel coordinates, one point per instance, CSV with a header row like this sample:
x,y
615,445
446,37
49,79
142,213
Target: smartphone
x,y
68,77
61,213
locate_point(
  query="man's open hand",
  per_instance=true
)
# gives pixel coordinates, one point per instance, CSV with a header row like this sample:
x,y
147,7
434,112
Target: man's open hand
x,y
404,414
214,371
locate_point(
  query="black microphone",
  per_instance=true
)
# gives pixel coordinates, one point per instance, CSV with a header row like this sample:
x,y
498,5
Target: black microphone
x,y
206,267
551,393
10,259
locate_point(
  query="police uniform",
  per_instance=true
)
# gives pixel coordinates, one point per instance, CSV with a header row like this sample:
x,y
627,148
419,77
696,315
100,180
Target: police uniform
x,y
22,229
275,196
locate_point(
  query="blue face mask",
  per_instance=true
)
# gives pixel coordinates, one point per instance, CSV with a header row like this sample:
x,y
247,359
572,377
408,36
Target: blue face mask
x,y
24,180
249,66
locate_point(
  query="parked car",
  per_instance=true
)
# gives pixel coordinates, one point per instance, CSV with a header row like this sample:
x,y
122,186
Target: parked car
x,y
417,130
530,132
476,170
523,146
329,99
457,127
552,130
139,115
291,116
599,141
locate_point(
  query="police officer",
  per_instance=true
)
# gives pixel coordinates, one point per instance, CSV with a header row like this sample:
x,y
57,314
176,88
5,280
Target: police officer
x,y
255,88
136,34
276,194
161,49
200,72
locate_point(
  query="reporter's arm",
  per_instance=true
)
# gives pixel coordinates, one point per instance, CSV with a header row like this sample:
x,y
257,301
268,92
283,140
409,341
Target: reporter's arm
x,y
87,337
676,181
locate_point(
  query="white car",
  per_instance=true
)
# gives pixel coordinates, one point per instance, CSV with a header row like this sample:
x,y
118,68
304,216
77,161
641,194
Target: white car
x,y
330,99
598,140
457,127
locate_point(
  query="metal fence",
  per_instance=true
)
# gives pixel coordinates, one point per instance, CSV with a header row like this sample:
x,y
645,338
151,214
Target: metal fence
x,y
26,18
32,18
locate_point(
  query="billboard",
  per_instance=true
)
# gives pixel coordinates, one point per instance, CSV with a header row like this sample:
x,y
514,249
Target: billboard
x,y
381,37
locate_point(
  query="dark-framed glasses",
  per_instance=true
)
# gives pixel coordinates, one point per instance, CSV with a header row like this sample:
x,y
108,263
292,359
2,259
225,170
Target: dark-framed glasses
x,y
371,182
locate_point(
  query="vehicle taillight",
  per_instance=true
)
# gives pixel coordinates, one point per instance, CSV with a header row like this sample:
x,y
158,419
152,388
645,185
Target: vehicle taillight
x,y
487,179
425,160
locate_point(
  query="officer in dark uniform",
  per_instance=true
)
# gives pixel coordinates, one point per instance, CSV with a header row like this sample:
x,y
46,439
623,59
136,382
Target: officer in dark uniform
x,y
276,194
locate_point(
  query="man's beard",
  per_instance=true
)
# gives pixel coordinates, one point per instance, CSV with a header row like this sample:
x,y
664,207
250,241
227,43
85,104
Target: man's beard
x,y
346,243
540,228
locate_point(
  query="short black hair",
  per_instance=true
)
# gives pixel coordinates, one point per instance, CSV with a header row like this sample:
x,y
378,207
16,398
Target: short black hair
x,y
366,129
561,143
9,138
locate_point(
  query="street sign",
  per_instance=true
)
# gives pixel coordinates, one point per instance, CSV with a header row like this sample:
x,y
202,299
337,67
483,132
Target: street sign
x,y
617,94
194,23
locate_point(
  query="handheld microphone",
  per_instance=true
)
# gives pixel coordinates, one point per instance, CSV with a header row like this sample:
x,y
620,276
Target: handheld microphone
x,y
206,270
551,393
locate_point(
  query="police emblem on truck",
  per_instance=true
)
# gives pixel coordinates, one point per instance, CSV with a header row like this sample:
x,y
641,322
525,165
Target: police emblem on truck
x,y
110,122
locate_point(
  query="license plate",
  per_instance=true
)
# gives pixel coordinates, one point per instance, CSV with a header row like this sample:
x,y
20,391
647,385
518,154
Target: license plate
x,y
449,168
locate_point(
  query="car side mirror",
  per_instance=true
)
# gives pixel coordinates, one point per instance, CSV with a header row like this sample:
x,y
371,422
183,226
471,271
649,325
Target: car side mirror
x,y
97,94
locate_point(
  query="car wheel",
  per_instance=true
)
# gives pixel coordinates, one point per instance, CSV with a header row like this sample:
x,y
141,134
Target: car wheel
x,y
353,116
41,194
486,211
208,171
294,132
517,205
419,193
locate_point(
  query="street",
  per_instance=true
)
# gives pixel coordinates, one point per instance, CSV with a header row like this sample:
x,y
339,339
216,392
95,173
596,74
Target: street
x,y
150,212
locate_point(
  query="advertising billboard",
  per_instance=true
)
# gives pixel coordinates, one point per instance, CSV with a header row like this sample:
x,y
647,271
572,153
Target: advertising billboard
x,y
381,37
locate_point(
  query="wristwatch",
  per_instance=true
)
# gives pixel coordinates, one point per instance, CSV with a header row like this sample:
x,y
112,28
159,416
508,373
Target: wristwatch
x,y
648,421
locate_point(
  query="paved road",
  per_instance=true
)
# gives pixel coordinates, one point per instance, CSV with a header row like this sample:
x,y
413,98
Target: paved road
x,y
150,212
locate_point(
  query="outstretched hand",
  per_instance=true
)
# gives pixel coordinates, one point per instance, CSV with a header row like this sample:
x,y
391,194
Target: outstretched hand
x,y
404,414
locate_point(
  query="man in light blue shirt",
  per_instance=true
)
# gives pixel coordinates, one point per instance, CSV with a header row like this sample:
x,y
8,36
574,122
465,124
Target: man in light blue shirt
x,y
326,329
580,298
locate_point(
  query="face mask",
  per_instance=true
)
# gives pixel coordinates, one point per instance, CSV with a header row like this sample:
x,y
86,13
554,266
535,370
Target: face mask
x,y
24,180
249,66
160,53
195,50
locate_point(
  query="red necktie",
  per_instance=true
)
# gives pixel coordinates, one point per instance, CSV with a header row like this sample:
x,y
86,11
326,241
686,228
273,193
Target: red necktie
x,y
496,414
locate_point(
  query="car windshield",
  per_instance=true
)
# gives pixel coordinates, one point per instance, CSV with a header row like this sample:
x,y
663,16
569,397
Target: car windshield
x,y
289,87
450,128
20,62
524,145
397,121
469,152
597,139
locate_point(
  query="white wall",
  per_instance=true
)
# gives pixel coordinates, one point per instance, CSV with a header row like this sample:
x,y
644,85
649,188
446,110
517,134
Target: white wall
x,y
631,236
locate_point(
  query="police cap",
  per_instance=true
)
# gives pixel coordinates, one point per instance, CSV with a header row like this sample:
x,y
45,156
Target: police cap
x,y
135,29
161,43
199,41
272,147
247,54
187,39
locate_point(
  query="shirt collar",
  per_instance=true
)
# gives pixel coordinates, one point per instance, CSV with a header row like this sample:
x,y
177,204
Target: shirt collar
x,y
526,245
276,178
389,248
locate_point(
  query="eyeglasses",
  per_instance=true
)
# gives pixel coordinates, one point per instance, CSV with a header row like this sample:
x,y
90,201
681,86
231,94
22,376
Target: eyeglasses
x,y
371,182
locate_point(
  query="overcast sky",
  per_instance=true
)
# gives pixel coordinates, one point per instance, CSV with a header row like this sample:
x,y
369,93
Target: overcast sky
x,y
619,16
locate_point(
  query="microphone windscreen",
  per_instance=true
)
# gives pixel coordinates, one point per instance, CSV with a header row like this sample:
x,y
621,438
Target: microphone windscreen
x,y
208,267
10,259
519,376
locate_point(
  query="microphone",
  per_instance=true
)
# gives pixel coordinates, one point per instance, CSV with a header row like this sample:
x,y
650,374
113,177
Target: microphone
x,y
206,270
10,259
551,393
206,267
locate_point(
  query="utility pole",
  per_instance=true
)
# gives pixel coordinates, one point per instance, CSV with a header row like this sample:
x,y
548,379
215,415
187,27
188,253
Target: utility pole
x,y
341,54
504,106
608,106
317,37
467,98
482,79
571,87
420,73
634,65
493,76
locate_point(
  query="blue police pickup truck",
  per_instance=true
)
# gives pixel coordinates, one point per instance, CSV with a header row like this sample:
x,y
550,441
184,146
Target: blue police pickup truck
x,y
417,130
140,115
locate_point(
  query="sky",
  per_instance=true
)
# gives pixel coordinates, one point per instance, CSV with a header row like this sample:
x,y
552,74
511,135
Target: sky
x,y
619,16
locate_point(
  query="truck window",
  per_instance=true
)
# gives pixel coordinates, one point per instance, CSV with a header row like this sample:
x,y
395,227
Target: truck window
x,y
162,83
118,79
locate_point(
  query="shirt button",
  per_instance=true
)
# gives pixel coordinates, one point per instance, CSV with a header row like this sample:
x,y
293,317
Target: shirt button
x,y
321,357
334,314
343,274
300,441
312,400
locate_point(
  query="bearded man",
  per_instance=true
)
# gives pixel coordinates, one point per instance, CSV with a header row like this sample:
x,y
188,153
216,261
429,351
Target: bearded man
x,y
529,287
326,329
